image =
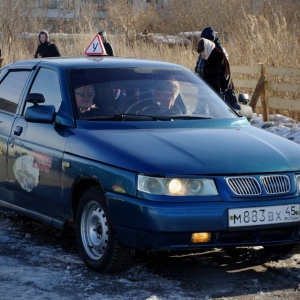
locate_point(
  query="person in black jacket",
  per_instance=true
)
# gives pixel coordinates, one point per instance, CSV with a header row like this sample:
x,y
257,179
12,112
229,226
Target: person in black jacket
x,y
210,34
45,48
108,47
216,71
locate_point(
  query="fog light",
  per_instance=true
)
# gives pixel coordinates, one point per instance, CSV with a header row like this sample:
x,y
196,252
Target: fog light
x,y
200,237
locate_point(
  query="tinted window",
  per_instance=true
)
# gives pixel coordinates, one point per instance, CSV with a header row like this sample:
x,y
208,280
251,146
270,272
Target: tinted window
x,y
47,83
11,88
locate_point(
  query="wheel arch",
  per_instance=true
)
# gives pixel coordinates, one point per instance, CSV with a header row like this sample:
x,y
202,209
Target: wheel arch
x,y
79,187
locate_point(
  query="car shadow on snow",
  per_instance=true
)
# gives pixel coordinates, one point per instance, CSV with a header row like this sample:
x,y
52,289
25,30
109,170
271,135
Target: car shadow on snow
x,y
227,272
213,272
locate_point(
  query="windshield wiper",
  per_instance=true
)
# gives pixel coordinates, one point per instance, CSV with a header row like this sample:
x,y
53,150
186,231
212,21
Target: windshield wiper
x,y
197,117
133,117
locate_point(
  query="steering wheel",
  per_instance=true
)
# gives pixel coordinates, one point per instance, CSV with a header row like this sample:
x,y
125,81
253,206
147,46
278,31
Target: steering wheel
x,y
140,106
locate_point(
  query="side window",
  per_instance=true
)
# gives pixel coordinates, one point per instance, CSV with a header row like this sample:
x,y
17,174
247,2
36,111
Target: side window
x,y
11,88
47,83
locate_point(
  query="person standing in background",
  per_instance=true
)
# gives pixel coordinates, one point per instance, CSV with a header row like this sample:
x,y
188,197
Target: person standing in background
x,y
209,34
216,71
108,47
45,48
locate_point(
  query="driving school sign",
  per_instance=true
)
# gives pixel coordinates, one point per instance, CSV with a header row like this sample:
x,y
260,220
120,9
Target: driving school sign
x,y
96,47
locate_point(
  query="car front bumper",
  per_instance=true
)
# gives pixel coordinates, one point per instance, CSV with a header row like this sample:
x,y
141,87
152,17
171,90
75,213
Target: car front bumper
x,y
144,224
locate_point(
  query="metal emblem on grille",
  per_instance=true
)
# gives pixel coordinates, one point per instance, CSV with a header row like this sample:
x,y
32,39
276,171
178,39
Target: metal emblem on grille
x,y
244,185
276,184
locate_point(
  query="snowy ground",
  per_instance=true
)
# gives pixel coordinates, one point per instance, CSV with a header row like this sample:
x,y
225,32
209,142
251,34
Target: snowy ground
x,y
37,262
279,125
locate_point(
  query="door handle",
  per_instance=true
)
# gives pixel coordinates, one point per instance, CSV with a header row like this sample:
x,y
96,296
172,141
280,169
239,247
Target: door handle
x,y
18,130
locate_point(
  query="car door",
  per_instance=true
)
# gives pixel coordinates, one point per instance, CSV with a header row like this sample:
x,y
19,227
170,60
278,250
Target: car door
x,y
11,87
35,154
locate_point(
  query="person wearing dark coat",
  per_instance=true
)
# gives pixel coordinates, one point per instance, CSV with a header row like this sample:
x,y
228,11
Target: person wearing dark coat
x,y
108,47
45,48
210,34
216,70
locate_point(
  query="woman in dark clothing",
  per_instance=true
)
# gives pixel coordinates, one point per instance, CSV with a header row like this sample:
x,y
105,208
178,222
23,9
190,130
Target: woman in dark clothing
x,y
209,34
45,48
216,70
108,47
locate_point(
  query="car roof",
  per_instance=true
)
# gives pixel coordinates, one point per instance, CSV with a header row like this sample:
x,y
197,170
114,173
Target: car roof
x,y
93,62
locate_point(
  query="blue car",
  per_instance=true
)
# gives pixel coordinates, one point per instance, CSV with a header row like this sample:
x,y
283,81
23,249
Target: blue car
x,y
141,155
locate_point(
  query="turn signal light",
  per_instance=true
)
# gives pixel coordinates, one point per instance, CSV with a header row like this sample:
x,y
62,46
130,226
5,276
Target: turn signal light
x,y
201,237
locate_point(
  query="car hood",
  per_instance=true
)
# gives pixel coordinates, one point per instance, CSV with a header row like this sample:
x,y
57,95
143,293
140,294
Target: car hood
x,y
241,150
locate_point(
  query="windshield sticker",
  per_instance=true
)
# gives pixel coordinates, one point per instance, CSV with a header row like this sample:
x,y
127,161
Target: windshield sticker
x,y
26,174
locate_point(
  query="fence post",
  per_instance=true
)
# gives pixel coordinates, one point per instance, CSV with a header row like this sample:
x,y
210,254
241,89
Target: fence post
x,y
259,87
1,58
264,102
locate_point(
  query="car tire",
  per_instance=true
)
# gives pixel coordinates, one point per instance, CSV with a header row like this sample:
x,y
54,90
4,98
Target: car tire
x,y
97,242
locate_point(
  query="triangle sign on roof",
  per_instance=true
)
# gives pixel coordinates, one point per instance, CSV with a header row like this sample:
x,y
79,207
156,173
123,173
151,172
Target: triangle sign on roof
x,y
96,47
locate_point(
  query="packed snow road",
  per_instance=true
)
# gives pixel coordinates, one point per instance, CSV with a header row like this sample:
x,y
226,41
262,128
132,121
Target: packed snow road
x,y
38,262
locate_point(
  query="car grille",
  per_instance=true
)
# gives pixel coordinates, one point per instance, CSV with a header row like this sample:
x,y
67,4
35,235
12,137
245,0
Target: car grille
x,y
250,186
276,184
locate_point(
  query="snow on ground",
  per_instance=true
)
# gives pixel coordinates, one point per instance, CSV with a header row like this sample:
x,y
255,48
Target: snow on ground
x,y
280,125
30,270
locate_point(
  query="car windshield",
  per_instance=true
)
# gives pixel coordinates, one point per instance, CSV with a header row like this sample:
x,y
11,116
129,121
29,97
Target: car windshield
x,y
143,92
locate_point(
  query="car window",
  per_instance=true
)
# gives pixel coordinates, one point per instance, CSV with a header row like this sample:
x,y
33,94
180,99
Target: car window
x,y
47,83
11,88
145,91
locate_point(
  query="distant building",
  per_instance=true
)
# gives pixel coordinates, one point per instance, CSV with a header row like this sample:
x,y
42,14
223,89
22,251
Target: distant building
x,y
67,9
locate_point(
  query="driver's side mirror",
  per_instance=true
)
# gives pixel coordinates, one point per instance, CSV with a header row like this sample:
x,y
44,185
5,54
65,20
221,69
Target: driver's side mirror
x,y
39,113
244,99
35,98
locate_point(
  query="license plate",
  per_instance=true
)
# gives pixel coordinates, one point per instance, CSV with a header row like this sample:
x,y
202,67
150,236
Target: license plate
x,y
252,216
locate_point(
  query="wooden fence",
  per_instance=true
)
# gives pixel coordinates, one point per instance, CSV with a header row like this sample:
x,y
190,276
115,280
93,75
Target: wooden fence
x,y
277,88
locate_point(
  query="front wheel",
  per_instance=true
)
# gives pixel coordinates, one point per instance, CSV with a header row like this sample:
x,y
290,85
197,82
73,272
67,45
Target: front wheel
x,y
97,242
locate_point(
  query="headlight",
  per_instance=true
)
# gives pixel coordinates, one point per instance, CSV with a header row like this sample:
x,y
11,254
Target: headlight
x,y
177,186
298,182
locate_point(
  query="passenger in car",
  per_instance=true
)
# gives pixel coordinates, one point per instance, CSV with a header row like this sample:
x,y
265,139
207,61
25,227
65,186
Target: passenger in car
x,y
84,96
112,98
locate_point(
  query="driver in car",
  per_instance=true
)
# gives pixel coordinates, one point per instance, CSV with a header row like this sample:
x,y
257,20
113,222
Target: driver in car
x,y
165,94
164,101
